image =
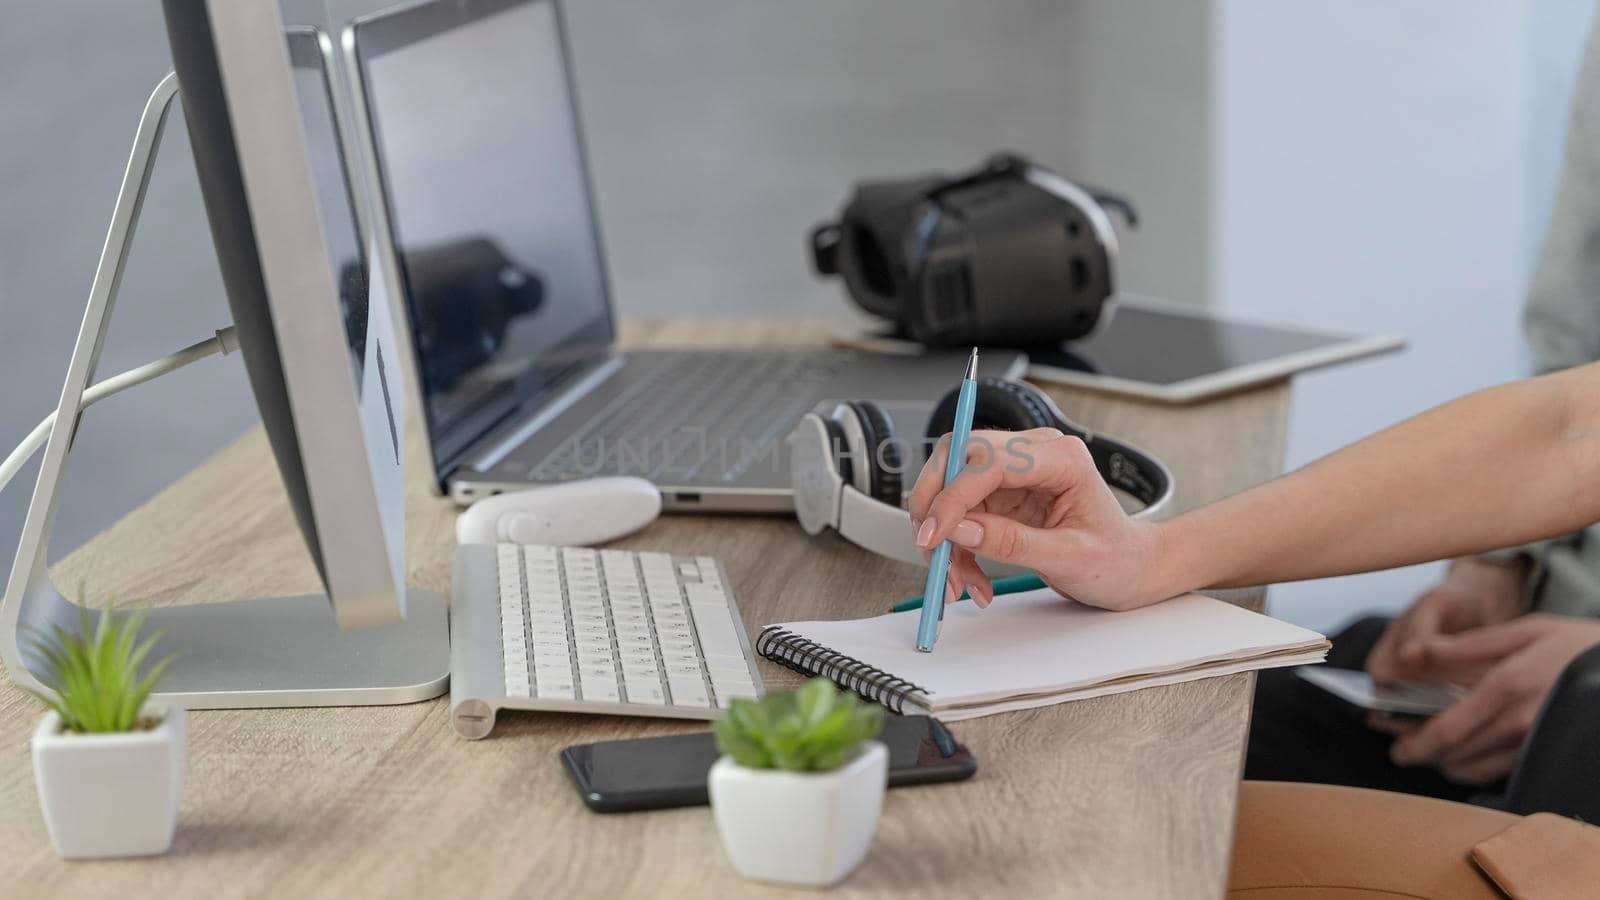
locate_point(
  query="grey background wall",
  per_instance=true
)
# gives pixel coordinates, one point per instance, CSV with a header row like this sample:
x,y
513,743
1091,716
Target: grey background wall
x,y
720,132
1296,161
73,78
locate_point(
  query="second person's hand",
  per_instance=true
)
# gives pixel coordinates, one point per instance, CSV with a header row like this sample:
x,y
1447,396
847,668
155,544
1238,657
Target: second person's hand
x,y
1035,499
1474,593
1476,741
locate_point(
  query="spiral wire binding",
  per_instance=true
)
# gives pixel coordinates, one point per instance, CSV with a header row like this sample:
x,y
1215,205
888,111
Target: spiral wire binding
x,y
808,657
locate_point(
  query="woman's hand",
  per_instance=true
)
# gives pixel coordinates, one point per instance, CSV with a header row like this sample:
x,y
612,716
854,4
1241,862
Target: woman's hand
x,y
1034,499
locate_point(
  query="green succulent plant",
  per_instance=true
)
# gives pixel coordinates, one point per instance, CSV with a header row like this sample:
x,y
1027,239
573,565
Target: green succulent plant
x,y
813,729
93,675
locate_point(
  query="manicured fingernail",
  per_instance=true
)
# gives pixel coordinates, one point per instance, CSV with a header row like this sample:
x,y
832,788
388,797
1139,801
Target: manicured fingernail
x,y
978,596
967,534
925,533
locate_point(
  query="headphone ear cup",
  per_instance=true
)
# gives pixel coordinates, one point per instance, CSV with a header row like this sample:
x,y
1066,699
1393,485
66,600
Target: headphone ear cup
x,y
1000,405
838,450
882,453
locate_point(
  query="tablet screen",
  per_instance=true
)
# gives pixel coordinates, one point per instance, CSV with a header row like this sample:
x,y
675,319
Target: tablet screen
x,y
1164,348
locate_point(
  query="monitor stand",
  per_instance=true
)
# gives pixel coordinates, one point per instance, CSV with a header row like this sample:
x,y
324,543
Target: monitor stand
x,y
278,651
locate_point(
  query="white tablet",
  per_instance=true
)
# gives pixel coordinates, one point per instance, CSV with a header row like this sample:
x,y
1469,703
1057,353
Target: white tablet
x,y
1410,698
1175,353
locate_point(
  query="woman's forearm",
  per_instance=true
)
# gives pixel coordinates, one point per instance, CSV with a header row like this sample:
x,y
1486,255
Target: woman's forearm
x,y
1494,469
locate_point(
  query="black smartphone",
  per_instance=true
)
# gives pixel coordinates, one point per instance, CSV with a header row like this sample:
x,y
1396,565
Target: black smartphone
x,y
660,773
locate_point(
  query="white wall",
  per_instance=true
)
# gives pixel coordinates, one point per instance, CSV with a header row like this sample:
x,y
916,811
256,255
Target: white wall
x,y
720,133
1384,167
1366,165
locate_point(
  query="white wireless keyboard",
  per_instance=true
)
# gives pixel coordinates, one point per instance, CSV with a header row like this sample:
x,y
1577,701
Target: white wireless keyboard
x,y
594,631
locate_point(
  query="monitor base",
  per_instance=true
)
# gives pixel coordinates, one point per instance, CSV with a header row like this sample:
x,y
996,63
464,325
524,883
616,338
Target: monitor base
x,y
283,652
287,651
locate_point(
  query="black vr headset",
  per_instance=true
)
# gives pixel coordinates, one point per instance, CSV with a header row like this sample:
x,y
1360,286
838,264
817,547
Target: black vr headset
x,y
1009,255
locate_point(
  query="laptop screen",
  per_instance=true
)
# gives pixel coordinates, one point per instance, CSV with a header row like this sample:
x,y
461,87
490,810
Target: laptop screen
x,y
476,133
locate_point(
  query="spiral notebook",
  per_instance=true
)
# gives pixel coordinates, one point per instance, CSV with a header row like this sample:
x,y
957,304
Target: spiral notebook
x,y
1036,649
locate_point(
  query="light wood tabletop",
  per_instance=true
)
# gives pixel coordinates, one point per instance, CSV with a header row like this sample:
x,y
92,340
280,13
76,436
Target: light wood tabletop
x,y
1124,796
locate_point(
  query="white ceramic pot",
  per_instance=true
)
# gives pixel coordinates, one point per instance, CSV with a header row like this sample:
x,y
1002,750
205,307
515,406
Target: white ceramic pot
x,y
809,828
111,794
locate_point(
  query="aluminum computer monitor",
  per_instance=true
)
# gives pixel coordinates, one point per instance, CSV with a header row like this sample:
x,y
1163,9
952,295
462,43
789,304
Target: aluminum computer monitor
x,y
315,325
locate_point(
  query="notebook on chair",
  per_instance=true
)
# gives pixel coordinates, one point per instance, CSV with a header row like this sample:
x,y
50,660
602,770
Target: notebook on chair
x,y
1037,649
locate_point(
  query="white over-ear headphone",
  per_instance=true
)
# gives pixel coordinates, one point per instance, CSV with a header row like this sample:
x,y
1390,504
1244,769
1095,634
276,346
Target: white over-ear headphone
x,y
845,463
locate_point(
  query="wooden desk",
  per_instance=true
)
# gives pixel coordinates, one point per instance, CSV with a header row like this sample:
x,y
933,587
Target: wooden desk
x,y
1125,796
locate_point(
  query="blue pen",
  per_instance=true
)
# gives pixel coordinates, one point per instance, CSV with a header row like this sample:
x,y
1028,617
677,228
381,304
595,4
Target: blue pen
x,y
939,568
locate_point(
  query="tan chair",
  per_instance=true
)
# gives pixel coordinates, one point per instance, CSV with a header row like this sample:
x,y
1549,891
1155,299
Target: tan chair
x,y
1314,841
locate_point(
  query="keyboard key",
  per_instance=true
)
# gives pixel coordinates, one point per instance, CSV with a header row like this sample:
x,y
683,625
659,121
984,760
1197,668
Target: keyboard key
x,y
552,670
639,645
725,697
636,650
727,666
636,670
683,663
717,634
678,632
706,595
721,683
603,689
678,647
558,689
688,693
648,695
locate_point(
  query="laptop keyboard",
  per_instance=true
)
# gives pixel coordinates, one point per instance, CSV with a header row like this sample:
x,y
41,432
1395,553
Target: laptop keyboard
x,y
706,418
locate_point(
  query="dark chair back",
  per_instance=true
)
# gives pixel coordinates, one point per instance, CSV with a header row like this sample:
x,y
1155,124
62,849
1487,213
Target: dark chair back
x,y
1559,769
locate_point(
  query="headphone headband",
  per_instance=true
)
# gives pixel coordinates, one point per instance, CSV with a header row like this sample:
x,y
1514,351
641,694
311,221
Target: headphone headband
x,y
1014,406
826,499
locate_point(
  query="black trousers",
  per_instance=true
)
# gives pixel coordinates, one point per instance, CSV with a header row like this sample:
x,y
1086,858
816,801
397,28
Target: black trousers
x,y
1301,733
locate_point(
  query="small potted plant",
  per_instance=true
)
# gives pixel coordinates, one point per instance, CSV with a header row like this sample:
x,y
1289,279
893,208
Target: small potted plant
x,y
800,784
108,764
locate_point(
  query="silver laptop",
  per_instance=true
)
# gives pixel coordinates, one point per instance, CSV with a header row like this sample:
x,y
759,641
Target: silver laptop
x,y
467,110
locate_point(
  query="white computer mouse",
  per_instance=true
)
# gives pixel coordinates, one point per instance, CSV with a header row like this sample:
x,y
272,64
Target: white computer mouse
x,y
574,514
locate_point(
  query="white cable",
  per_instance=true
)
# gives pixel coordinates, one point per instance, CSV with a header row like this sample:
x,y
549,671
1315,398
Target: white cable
x,y
225,341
